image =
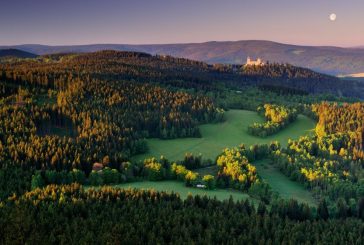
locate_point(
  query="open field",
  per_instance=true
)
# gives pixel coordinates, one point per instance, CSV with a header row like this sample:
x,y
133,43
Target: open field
x,y
183,191
216,137
282,184
230,133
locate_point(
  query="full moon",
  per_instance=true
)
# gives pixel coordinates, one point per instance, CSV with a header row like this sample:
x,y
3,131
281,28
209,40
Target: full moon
x,y
332,17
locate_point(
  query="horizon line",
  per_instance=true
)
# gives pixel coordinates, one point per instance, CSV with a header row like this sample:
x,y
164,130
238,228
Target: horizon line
x,y
185,43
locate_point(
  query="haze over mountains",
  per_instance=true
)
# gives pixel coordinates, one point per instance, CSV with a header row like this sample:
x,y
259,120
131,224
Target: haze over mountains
x,y
326,59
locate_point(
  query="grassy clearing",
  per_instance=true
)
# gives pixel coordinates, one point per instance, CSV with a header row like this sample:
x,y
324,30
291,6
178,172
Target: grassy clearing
x,y
183,191
216,137
280,183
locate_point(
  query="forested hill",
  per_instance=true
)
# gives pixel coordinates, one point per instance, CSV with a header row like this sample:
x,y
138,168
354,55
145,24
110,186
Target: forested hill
x,y
303,79
16,53
179,72
330,60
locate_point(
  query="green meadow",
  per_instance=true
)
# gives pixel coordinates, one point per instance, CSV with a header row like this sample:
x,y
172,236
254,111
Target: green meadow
x,y
280,183
216,137
180,188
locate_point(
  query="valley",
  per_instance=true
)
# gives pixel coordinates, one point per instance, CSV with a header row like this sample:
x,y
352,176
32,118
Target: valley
x,y
113,137
182,122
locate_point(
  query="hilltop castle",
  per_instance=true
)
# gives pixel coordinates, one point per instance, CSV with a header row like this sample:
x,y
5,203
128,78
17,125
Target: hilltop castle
x,y
250,62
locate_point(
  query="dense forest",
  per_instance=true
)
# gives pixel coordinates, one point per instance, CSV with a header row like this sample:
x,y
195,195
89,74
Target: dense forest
x,y
69,120
57,69
301,79
69,214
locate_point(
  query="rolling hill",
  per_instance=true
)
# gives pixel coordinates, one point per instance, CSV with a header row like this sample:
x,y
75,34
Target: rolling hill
x,y
185,73
16,53
330,60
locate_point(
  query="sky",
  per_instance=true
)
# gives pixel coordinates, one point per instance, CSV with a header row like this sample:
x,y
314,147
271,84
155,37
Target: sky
x,y
70,22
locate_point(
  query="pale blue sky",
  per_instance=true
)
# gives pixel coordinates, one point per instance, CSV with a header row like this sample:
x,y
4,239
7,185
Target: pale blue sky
x,y
179,21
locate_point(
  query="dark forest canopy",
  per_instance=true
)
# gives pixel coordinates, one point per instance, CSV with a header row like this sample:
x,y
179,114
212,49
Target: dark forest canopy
x,y
62,115
177,72
16,53
69,214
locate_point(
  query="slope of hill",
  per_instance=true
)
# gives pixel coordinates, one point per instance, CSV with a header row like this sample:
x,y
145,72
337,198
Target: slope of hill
x,y
182,73
331,60
16,53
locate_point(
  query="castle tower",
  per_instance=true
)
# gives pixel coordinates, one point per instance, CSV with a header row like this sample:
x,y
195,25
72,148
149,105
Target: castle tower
x,y
258,62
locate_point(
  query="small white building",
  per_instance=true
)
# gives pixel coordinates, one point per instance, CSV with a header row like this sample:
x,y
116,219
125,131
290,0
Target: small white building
x,y
250,62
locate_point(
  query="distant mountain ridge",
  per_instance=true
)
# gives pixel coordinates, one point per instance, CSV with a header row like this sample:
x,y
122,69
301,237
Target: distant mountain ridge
x,y
326,59
16,53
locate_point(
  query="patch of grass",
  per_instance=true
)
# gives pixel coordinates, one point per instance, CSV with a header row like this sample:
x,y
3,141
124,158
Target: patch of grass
x,y
280,183
231,133
183,191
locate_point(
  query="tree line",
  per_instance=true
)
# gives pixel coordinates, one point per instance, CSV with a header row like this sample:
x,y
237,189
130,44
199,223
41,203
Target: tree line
x,y
278,117
70,214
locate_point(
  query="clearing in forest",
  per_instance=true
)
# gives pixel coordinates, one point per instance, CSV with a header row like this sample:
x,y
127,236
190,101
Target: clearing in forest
x,y
231,133
180,188
280,183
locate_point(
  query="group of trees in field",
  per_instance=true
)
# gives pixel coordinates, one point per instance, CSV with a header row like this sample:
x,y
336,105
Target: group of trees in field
x,y
70,214
330,163
162,169
235,169
150,169
324,166
277,118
